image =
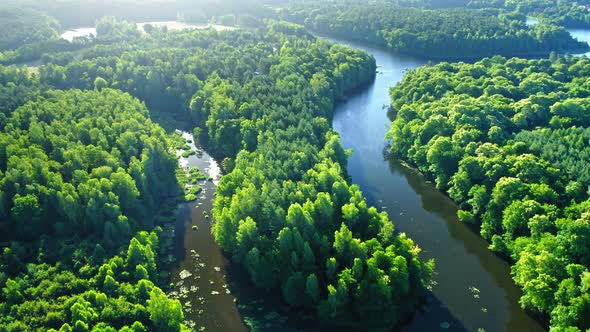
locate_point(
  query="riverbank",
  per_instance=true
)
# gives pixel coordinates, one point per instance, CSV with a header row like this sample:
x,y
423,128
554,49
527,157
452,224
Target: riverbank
x,y
473,289
433,56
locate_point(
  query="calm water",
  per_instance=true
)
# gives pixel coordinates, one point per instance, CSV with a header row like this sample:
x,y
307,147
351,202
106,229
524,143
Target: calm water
x,y
473,287
69,35
531,21
581,35
217,295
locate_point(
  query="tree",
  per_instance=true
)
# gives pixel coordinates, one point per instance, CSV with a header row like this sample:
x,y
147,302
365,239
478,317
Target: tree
x,y
293,288
100,83
12,292
312,288
165,314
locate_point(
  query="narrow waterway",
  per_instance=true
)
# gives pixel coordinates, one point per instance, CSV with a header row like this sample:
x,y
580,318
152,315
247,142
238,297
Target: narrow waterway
x,y
200,281
473,287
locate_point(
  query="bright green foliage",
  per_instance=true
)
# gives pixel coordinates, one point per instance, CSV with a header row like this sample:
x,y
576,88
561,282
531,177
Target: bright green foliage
x,y
285,208
262,101
507,140
568,13
165,314
76,169
63,175
403,26
47,297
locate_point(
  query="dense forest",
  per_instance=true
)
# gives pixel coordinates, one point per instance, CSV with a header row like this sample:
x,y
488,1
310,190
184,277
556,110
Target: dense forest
x,y
25,34
80,173
75,13
90,184
504,138
20,27
88,166
436,34
569,13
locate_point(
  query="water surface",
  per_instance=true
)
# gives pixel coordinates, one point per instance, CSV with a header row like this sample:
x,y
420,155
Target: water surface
x,y
69,35
473,287
200,281
581,35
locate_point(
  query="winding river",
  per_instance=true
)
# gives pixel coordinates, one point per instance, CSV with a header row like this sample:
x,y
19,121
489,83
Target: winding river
x,y
473,287
473,290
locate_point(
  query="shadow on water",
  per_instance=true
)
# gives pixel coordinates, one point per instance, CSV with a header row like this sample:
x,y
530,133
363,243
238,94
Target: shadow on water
x,y
442,206
473,289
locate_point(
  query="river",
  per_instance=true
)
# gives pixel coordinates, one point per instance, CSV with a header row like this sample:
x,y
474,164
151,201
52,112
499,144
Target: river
x,y
473,287
200,276
204,281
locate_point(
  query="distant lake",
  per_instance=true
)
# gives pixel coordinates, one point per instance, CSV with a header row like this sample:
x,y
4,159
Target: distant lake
x,y
581,35
532,21
69,35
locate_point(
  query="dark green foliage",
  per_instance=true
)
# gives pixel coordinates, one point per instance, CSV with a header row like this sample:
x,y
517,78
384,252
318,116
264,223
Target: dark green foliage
x,y
507,140
26,34
568,13
567,148
19,27
440,33
73,13
109,29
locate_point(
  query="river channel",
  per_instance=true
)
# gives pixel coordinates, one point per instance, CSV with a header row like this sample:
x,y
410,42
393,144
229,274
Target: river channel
x,y
473,290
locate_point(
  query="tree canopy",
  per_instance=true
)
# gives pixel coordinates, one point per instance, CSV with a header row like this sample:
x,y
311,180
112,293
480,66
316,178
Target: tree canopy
x,y
90,164
505,138
437,33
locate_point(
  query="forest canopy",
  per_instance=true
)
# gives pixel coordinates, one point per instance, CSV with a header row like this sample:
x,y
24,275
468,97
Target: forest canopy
x,y
19,27
432,33
80,173
567,13
260,101
505,139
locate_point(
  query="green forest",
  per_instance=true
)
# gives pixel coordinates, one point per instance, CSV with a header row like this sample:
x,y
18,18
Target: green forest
x,y
88,166
505,139
568,13
91,182
432,33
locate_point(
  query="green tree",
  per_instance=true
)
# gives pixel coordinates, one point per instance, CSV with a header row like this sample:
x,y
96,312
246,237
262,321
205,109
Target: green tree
x,y
312,288
100,83
166,315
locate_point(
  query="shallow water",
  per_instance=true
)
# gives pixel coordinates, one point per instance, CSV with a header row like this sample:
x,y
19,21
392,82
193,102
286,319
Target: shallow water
x,y
200,276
